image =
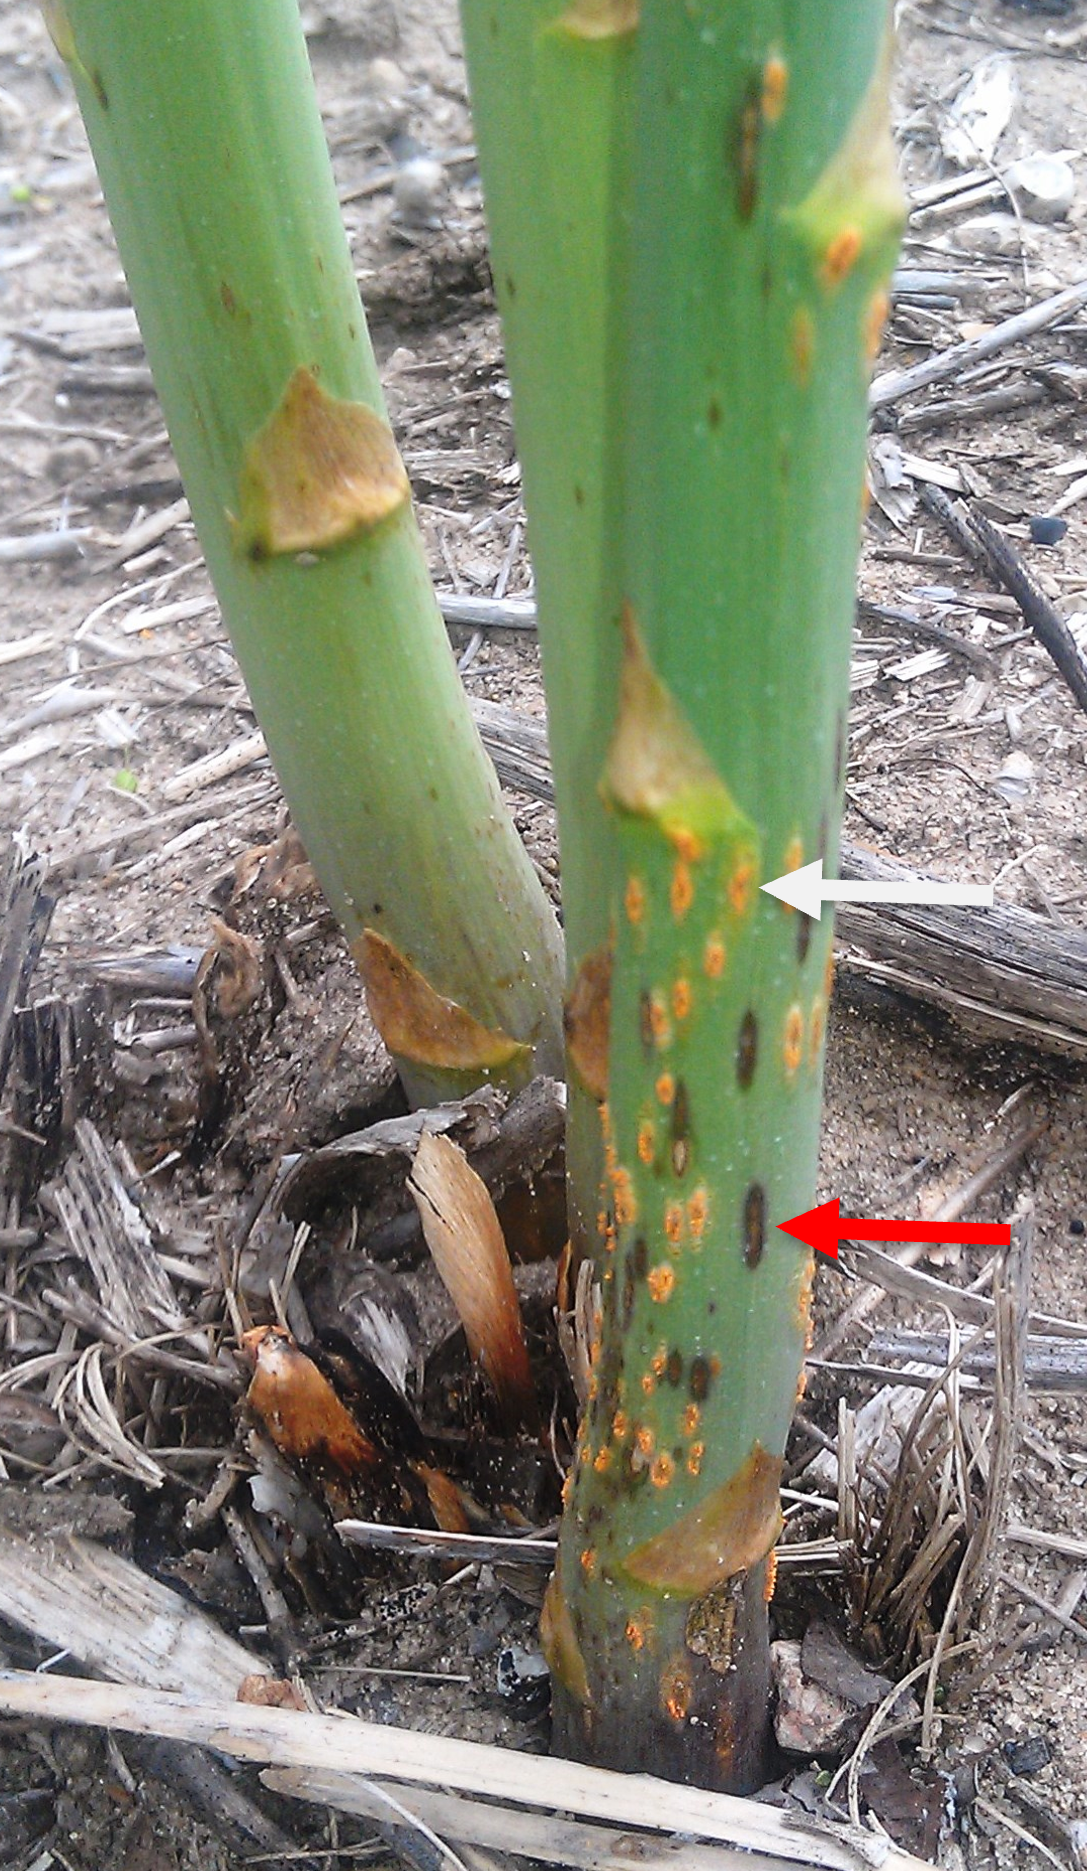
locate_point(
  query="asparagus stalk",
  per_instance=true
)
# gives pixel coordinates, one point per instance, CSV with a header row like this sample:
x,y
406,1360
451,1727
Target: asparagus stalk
x,y
763,221
551,90
208,141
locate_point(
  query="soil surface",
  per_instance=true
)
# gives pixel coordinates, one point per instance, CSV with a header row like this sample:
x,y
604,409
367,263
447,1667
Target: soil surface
x,y
117,677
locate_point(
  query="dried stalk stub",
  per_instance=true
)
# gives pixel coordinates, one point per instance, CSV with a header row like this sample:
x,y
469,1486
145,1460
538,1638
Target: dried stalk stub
x,y
465,1237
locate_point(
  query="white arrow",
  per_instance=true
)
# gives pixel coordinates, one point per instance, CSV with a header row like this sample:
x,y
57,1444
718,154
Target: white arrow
x,y
807,890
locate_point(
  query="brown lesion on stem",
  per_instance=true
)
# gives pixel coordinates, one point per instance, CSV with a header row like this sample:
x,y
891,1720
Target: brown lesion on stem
x,y
319,471
418,1023
748,136
587,1020
728,1532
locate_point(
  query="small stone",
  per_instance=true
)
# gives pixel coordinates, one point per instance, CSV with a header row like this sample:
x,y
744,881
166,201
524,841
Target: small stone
x,y
1044,187
1047,529
979,115
808,1720
1016,777
1028,1756
384,78
988,233
77,454
523,1679
418,191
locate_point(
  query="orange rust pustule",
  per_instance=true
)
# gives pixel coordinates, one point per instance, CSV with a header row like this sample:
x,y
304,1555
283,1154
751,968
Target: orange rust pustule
x,y
661,1282
775,87
802,346
626,1202
725,1740
663,1469
634,901
676,1689
681,889
840,256
875,319
660,1026
714,958
686,844
698,1208
792,1049
741,886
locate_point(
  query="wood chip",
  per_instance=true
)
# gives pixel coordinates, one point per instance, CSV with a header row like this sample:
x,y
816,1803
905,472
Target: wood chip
x,y
215,767
65,544
894,384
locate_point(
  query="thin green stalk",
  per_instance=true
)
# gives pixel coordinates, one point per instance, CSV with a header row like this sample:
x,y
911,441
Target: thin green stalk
x,y
208,141
764,222
550,84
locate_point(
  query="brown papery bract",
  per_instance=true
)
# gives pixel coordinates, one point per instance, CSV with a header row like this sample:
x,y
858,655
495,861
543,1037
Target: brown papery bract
x,y
464,1235
418,1023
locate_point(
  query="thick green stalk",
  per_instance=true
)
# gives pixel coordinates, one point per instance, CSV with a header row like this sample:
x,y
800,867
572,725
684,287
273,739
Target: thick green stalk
x,y
765,215
208,142
550,86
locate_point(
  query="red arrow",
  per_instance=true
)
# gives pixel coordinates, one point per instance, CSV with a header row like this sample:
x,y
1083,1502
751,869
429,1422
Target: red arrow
x,y
823,1227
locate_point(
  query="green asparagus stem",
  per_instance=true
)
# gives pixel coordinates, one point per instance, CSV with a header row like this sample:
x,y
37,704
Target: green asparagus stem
x,y
765,213
208,142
